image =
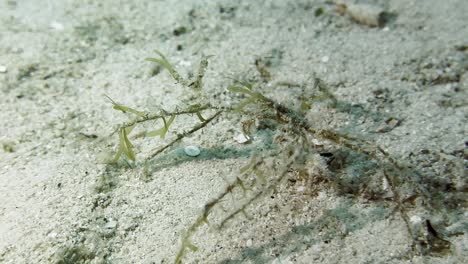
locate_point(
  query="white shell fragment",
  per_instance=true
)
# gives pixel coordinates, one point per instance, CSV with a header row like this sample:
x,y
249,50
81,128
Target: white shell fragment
x,y
56,26
325,59
3,69
111,224
192,151
415,219
249,243
241,138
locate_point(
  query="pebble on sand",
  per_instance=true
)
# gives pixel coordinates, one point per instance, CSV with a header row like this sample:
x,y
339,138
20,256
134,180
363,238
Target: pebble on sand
x,y
192,151
365,14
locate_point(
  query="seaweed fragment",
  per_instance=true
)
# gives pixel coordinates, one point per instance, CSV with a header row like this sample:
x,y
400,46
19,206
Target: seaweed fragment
x,y
168,66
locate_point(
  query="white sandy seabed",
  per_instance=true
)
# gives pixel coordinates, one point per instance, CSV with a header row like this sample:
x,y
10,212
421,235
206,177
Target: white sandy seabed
x,y
402,85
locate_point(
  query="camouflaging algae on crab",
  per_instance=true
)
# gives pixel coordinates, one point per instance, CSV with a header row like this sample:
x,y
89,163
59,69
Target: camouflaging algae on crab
x,y
267,170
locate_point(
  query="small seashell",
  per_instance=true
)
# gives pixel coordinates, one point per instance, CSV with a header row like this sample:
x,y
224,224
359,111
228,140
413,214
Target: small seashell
x,y
3,69
111,224
192,151
241,138
317,143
